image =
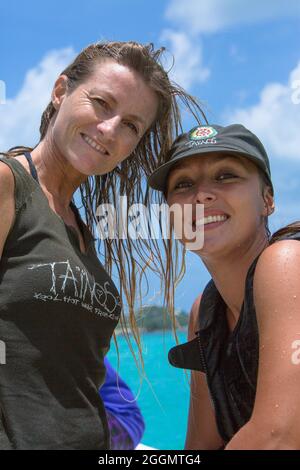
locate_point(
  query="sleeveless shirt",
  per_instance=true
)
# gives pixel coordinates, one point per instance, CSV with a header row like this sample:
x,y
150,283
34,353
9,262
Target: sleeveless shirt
x,y
58,311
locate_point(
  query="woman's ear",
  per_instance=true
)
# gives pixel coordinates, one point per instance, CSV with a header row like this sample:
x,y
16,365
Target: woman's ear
x,y
59,91
269,201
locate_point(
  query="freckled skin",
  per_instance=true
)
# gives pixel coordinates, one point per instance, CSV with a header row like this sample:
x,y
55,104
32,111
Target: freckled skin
x,y
113,106
124,93
232,186
240,198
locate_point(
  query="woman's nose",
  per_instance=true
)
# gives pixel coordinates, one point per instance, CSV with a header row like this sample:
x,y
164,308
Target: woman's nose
x,y
109,127
204,194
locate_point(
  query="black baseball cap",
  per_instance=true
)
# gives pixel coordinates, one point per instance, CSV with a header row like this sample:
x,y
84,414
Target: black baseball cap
x,y
203,140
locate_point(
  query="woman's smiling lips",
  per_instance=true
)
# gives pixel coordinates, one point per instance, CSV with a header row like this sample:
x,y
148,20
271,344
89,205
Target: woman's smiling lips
x,y
95,145
211,220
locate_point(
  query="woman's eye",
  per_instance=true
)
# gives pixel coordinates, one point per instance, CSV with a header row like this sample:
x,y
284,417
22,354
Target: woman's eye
x,y
182,184
225,176
132,127
101,102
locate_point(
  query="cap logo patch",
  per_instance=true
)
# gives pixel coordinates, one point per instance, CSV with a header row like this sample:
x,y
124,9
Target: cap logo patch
x,y
202,132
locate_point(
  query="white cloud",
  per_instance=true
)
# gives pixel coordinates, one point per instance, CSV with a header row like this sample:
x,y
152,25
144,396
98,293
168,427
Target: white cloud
x,y
188,68
203,16
20,116
275,118
191,19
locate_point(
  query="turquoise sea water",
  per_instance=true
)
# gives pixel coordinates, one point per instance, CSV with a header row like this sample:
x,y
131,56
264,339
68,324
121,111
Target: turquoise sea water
x,y
164,399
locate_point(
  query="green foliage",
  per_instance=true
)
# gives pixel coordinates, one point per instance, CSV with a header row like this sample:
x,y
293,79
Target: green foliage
x,y
154,318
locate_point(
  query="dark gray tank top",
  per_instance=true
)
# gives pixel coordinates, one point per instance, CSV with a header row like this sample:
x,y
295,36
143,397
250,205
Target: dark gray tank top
x,y
58,310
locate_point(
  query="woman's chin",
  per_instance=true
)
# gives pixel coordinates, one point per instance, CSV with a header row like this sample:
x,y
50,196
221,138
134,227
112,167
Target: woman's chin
x,y
211,248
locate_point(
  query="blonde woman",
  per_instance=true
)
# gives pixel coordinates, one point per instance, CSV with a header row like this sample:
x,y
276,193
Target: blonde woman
x,y
245,326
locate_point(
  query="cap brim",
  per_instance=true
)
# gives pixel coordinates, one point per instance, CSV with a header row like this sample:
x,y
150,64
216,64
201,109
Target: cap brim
x,y
158,179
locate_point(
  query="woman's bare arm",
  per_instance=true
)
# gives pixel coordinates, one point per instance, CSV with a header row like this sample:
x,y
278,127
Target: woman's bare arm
x,y
275,421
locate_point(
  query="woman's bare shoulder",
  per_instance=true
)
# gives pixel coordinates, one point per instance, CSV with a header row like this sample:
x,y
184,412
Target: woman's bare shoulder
x,y
7,182
7,202
278,255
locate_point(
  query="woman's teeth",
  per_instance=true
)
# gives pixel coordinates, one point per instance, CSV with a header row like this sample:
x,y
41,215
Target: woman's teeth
x,y
93,144
210,219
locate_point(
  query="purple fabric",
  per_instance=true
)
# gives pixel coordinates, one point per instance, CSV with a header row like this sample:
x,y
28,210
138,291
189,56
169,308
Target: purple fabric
x,y
128,414
119,437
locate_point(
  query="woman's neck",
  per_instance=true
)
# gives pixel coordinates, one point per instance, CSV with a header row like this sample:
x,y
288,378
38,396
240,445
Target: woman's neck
x,y
58,179
229,275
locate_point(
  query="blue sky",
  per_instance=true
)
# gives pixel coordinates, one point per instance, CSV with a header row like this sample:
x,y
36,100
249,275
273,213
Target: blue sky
x,y
241,59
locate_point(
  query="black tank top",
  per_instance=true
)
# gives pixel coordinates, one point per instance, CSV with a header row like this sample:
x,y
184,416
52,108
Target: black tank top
x,y
58,310
229,359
